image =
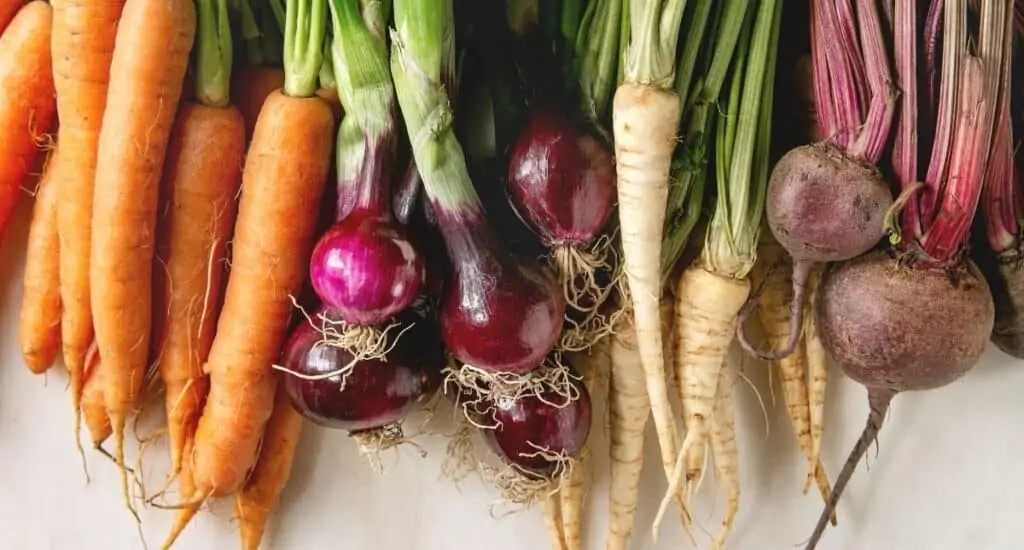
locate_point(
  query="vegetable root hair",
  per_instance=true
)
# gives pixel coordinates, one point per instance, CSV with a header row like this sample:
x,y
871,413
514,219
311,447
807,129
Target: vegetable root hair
x,y
878,401
706,309
585,293
483,388
523,489
374,441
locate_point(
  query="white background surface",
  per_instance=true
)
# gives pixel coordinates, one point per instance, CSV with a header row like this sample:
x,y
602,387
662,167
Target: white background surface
x,y
947,475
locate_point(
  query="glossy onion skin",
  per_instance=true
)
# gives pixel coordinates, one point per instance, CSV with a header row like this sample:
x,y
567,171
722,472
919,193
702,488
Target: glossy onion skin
x,y
367,269
497,313
531,422
561,179
376,393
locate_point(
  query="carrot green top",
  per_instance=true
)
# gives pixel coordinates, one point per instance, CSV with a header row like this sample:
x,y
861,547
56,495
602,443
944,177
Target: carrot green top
x,y
742,146
214,53
304,30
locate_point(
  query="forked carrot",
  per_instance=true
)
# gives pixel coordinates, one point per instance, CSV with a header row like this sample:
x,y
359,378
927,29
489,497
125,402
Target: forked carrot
x,y
27,107
282,182
202,175
258,497
725,452
83,45
151,53
39,325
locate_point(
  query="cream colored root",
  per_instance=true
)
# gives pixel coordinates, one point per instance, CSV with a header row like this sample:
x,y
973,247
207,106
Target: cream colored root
x,y
706,309
644,121
773,309
628,412
817,371
553,520
726,453
576,490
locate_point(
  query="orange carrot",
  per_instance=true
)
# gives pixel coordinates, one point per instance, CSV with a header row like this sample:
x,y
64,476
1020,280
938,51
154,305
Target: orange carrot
x,y
7,10
282,183
83,43
201,180
151,53
258,498
39,331
27,106
94,408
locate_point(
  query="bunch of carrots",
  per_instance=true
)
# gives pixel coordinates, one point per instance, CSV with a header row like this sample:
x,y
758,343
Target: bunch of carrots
x,y
638,208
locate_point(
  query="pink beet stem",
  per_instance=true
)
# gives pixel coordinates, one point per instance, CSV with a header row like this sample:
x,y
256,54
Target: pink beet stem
x,y
824,105
874,134
977,106
905,147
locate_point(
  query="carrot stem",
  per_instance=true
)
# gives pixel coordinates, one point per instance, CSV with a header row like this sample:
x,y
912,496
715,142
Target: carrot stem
x,y
214,53
305,28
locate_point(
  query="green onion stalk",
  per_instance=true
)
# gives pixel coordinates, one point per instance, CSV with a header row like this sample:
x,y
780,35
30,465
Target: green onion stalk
x,y
711,292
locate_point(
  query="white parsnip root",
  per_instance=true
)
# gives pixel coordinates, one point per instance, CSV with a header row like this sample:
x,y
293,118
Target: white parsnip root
x,y
817,371
725,451
644,121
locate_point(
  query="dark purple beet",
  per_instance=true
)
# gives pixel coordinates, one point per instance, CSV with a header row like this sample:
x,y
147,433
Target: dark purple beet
x,y
497,314
367,269
561,179
376,392
894,328
822,206
531,422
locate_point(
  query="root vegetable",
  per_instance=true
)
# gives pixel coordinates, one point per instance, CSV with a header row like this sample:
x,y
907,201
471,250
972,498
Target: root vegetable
x,y
259,496
498,315
282,182
39,323
83,45
919,317
725,451
827,201
151,53
26,94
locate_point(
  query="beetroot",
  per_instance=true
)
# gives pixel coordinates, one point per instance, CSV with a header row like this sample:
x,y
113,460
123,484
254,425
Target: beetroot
x,y
372,393
827,202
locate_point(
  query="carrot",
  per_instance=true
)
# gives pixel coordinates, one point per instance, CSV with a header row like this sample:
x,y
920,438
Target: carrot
x,y
774,312
644,122
282,182
817,372
94,408
8,8
147,69
83,45
258,497
711,293
725,452
39,329
27,107
202,175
